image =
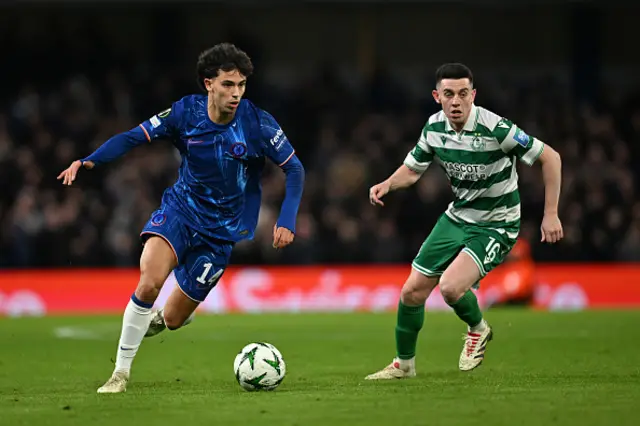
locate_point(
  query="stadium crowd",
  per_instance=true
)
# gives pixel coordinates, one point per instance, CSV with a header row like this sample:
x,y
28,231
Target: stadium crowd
x,y
347,140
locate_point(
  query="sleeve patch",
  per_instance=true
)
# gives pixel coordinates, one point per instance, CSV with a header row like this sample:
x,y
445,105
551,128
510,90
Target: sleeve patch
x,y
521,137
155,122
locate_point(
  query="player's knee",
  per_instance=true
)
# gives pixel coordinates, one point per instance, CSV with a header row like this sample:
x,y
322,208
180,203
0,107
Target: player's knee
x,y
156,263
173,320
417,288
150,284
451,290
414,294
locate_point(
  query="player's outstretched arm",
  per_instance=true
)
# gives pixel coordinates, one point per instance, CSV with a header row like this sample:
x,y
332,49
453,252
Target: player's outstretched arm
x,y
403,177
113,148
551,162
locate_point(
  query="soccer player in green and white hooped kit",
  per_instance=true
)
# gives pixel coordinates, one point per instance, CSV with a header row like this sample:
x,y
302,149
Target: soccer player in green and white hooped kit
x,y
478,151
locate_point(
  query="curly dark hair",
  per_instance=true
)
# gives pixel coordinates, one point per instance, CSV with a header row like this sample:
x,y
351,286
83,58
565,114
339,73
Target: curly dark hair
x,y
453,71
225,57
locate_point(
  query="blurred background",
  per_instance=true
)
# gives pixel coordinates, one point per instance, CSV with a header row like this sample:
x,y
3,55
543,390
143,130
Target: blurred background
x,y
350,82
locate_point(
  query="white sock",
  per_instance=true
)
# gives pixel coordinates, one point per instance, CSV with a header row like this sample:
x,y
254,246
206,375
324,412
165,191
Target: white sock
x,y
479,328
406,364
135,323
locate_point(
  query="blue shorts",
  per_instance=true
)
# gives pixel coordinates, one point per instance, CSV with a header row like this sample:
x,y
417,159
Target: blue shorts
x,y
201,259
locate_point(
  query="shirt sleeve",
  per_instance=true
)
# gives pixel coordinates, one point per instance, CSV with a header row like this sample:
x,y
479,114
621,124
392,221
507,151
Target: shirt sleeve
x,y
275,143
164,125
513,140
421,156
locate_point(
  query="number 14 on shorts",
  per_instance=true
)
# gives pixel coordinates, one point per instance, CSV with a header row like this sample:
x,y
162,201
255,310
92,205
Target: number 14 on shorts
x,y
202,279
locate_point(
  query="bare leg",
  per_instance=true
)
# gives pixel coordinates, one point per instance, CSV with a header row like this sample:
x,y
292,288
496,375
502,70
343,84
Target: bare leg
x,y
156,262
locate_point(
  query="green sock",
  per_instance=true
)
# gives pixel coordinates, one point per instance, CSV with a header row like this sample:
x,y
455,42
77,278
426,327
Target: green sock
x,y
467,309
410,320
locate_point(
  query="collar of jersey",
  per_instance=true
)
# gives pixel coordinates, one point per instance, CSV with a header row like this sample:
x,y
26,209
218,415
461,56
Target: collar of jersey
x,y
472,121
217,126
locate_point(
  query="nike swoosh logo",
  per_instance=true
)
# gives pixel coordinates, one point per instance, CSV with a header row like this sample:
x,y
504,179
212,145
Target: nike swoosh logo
x,y
192,142
126,349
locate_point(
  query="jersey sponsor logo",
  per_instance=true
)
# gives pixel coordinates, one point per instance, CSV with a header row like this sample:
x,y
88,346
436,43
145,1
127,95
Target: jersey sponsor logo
x,y
464,171
278,140
238,149
521,137
164,113
158,219
155,122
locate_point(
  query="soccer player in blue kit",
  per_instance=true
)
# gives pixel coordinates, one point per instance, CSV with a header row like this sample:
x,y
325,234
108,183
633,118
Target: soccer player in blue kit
x,y
223,141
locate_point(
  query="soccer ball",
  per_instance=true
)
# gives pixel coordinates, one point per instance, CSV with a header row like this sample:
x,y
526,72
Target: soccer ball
x,y
259,366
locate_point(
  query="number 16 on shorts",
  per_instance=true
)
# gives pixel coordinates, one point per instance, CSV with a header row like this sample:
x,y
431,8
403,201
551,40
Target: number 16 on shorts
x,y
492,250
488,248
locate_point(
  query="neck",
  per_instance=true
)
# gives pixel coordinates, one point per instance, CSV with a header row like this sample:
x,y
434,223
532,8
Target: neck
x,y
216,115
457,127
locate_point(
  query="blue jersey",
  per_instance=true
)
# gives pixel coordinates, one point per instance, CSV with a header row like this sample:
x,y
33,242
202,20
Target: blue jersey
x,y
218,188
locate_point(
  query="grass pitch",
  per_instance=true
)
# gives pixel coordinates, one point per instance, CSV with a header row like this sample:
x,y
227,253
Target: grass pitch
x,y
540,369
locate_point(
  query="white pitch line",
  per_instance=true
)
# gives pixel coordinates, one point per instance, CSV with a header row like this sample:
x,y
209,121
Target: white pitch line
x,y
98,332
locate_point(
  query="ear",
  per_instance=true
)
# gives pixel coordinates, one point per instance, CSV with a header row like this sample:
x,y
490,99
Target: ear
x,y
473,95
208,84
436,96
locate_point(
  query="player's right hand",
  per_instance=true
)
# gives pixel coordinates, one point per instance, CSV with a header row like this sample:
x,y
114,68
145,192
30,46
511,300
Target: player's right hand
x,y
551,229
377,192
69,175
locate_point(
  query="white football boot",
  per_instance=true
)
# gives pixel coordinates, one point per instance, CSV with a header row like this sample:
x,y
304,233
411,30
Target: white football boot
x,y
475,344
116,384
395,370
157,325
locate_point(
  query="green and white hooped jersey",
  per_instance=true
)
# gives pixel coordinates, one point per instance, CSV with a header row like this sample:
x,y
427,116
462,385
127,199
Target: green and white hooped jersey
x,y
480,164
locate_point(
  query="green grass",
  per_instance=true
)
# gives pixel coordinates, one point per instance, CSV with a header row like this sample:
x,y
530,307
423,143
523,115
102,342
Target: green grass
x,y
541,369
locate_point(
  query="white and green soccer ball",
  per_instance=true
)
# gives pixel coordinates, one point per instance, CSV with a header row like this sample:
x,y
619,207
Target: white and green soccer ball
x,y
259,366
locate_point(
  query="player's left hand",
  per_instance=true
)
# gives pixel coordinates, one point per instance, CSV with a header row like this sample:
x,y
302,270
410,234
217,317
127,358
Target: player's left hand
x,y
551,229
282,237
69,175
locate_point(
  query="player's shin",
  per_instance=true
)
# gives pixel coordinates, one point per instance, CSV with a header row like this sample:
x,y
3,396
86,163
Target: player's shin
x,y
410,320
135,322
468,310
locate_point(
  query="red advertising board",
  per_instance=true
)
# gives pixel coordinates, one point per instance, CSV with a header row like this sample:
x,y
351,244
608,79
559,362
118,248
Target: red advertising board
x,y
302,289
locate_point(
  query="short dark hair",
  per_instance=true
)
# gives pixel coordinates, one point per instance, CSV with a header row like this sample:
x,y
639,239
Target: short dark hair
x,y
225,57
453,71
